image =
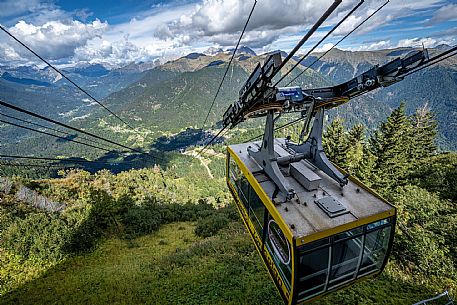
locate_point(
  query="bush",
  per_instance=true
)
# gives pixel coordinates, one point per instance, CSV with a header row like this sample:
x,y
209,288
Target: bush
x,y
140,220
147,217
38,236
210,225
419,242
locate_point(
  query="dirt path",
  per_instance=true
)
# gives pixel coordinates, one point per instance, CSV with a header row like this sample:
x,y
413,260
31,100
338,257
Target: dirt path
x,y
203,161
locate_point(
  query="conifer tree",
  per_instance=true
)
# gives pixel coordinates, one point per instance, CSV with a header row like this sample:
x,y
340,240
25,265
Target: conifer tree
x,y
423,133
391,146
335,142
355,149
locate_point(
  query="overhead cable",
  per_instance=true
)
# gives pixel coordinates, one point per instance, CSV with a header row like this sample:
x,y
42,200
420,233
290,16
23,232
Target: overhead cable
x,y
66,77
33,165
2,103
310,32
48,128
55,136
67,160
231,59
276,129
211,141
320,41
436,59
343,38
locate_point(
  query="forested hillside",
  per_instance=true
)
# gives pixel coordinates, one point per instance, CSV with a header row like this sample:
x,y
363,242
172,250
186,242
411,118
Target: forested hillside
x,y
166,100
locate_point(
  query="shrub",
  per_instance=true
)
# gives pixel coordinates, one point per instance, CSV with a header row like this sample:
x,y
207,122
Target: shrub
x,y
38,236
210,225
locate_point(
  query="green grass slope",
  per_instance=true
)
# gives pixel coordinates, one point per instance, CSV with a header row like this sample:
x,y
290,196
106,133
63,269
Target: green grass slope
x,y
174,266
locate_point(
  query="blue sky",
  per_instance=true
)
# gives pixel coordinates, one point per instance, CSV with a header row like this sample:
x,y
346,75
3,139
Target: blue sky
x,y
122,31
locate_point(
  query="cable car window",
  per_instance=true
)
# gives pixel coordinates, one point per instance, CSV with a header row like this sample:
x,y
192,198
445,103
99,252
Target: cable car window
x,y
234,172
256,211
315,244
243,190
378,224
239,181
345,259
313,271
280,250
350,233
376,245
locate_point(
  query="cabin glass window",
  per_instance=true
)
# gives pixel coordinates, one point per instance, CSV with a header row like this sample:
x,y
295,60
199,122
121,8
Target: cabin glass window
x,y
243,190
234,172
345,259
239,181
376,244
256,211
330,262
313,270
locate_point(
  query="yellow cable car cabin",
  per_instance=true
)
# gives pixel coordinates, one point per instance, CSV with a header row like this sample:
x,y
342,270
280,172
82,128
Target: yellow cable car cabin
x,y
325,238
316,228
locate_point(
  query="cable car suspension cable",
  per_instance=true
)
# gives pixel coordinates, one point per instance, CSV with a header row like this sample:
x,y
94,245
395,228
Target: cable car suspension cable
x,y
2,103
277,128
33,165
55,136
343,38
69,160
436,59
211,141
305,38
231,59
66,77
310,32
48,128
320,41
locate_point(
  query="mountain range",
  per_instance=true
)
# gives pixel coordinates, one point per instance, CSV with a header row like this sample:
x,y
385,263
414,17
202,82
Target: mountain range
x,y
162,100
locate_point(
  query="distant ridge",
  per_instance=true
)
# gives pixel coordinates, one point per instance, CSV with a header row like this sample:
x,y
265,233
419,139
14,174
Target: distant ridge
x,y
241,50
194,55
95,70
24,81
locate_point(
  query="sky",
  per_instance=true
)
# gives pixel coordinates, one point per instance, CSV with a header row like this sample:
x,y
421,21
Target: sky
x,y
119,32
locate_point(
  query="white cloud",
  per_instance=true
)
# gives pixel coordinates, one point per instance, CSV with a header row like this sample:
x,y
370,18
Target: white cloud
x,y
427,42
445,13
379,45
116,53
220,21
8,53
325,47
417,42
57,39
173,30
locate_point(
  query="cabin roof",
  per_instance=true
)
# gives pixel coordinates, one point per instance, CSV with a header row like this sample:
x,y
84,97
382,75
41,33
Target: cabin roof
x,y
307,219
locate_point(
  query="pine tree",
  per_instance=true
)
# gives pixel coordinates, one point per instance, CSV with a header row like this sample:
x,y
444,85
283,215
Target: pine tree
x,y
356,137
423,133
335,142
391,146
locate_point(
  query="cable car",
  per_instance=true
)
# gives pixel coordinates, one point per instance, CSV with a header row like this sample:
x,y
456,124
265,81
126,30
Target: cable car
x,y
317,228
324,239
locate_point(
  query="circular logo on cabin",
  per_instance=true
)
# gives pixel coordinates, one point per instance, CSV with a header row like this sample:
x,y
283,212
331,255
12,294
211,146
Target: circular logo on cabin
x,y
279,243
